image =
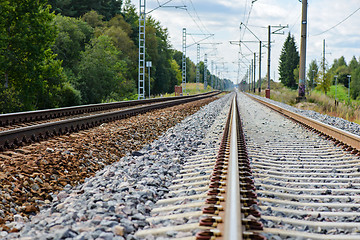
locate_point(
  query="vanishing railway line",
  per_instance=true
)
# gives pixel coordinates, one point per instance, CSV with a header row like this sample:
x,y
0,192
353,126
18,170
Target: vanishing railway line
x,y
25,127
267,177
294,183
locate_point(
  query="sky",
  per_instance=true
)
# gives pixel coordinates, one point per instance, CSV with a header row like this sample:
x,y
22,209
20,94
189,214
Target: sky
x,y
223,19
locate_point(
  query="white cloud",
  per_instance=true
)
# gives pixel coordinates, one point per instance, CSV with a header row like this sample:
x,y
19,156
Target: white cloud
x,y
223,17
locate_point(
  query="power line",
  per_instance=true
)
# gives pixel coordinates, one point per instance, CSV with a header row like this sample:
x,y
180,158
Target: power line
x,y
337,23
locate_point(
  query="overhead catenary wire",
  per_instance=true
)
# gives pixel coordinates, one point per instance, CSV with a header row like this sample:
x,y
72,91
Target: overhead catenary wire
x,y
337,23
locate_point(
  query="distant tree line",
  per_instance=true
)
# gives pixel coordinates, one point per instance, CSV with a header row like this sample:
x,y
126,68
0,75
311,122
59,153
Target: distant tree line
x,y
57,53
319,75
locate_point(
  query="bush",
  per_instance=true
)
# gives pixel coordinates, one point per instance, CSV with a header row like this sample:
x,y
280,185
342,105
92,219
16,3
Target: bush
x,y
9,101
69,95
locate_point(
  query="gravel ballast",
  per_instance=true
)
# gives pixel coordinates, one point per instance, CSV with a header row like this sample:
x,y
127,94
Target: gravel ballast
x,y
115,202
333,121
305,184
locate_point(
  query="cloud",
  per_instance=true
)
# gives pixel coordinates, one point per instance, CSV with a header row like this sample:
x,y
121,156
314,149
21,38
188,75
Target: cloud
x,y
223,17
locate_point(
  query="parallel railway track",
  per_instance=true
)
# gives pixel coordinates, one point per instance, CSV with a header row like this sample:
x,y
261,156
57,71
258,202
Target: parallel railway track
x,y
266,178
307,176
21,135
294,183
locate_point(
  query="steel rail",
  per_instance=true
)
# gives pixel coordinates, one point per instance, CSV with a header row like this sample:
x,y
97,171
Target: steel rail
x,y
233,222
336,134
15,137
22,117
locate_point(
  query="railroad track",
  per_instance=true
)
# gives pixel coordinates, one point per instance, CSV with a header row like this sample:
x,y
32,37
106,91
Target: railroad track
x,y
296,182
209,199
33,126
307,180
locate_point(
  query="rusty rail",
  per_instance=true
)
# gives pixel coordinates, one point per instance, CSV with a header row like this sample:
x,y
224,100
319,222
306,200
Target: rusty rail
x,y
30,116
233,223
232,191
349,140
17,137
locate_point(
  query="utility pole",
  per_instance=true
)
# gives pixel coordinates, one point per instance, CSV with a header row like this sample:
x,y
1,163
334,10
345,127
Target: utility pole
x,y
198,67
198,53
249,76
141,67
269,59
184,62
259,67
254,72
323,65
216,79
205,71
141,74
349,77
277,31
301,95
212,75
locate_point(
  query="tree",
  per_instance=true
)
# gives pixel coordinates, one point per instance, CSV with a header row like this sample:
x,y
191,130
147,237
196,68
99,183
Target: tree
x,y
355,84
72,37
100,71
354,64
131,17
324,80
27,64
289,60
341,70
77,8
312,74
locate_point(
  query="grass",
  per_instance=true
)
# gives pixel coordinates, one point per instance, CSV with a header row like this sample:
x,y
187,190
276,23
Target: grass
x,y
319,102
190,90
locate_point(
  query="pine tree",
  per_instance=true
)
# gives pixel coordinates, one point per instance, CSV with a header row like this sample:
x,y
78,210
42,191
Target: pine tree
x,y
312,74
289,60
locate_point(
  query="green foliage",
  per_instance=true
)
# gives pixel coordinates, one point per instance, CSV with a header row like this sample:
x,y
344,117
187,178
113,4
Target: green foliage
x,y
324,82
355,84
87,53
69,95
289,60
312,74
340,91
176,70
10,100
71,39
77,8
27,63
100,70
131,17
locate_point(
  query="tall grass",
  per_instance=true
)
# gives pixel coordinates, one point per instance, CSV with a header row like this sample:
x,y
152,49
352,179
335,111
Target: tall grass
x,y
319,102
326,104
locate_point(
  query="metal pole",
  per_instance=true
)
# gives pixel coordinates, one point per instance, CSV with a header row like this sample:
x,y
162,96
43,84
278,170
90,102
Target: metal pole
x,y
252,75
336,89
303,51
216,79
141,73
349,76
212,75
269,49
259,66
249,76
205,72
149,82
323,60
184,62
198,68
254,72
